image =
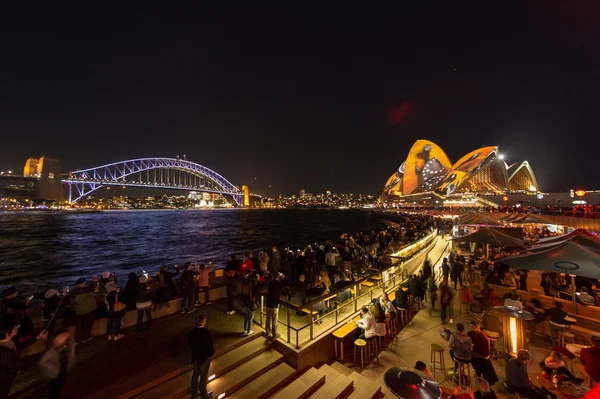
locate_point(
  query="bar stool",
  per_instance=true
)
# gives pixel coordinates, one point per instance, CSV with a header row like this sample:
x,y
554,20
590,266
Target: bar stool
x,y
464,373
373,344
566,337
381,334
437,363
465,308
403,314
360,345
392,324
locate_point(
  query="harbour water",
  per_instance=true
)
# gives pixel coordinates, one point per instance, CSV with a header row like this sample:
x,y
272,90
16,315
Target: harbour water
x,y
46,250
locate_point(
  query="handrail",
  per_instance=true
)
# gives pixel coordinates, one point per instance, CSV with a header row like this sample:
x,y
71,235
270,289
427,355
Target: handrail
x,y
418,247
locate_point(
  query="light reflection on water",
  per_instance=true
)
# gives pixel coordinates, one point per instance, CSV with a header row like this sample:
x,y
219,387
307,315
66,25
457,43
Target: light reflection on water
x,y
49,250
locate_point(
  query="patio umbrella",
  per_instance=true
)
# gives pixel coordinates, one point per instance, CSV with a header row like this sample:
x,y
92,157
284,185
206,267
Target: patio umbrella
x,y
512,216
570,257
492,236
477,218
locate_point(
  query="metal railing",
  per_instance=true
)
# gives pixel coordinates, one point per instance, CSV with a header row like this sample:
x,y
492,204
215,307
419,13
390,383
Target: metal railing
x,y
392,275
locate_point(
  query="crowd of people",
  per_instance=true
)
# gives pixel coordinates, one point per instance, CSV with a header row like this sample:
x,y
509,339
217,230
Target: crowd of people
x,y
301,275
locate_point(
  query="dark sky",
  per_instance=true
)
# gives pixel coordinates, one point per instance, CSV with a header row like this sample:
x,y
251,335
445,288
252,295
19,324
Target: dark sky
x,y
330,97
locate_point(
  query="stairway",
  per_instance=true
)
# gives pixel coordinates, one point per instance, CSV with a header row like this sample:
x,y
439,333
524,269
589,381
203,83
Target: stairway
x,y
253,364
256,371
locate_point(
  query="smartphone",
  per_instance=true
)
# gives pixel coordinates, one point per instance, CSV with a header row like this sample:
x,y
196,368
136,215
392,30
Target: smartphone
x,y
30,298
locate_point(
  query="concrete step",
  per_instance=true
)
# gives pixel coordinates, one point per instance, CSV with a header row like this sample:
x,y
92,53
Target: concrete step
x,y
337,385
220,366
340,368
264,385
303,386
363,387
244,373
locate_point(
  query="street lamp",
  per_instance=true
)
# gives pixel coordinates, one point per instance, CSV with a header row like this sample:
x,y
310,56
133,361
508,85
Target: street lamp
x,y
505,198
540,196
513,331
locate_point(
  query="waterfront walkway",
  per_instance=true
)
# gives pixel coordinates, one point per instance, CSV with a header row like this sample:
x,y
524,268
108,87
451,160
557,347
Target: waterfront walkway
x,y
105,368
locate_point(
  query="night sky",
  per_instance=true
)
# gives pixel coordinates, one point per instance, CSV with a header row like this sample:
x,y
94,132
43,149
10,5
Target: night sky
x,y
330,97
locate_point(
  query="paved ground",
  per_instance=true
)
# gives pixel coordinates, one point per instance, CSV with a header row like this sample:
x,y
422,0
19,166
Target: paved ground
x,y
414,343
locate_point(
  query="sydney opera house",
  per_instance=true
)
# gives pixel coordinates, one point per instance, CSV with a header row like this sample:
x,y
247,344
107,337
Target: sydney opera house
x,y
481,172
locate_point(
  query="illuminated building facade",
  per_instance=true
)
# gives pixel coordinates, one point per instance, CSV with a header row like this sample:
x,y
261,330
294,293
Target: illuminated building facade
x,y
428,170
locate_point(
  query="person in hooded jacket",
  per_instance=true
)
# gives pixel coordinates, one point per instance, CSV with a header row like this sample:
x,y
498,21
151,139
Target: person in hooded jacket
x,y
165,283
113,318
130,291
143,303
460,344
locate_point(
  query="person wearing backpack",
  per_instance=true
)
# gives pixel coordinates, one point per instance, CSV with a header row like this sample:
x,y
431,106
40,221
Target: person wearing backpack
x,y
115,310
460,345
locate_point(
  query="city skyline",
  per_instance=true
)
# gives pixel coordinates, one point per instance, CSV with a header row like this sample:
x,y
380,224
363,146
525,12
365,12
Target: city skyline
x,y
283,97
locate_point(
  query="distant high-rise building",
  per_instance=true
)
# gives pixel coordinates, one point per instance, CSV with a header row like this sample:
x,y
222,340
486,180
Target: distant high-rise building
x,y
302,193
328,193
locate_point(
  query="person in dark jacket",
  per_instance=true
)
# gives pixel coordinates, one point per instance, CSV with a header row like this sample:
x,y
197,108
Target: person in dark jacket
x,y
8,355
113,318
188,287
166,286
18,310
272,306
456,273
130,291
143,303
255,261
426,269
247,299
201,343
275,261
557,320
518,378
233,264
230,282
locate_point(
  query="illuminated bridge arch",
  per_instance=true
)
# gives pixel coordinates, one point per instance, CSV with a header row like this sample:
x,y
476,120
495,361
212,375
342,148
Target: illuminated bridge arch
x,y
171,173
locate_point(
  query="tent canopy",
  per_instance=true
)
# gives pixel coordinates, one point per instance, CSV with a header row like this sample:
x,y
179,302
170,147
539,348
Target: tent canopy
x,y
567,257
477,218
492,236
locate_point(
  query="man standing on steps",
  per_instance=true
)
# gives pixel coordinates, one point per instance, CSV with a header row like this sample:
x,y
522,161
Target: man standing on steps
x,y
201,343
272,305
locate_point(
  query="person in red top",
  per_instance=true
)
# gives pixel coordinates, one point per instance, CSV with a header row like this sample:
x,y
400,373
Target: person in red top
x,y
590,360
465,295
480,356
246,265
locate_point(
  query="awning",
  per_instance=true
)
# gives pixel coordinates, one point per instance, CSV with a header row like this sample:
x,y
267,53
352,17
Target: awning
x,y
492,236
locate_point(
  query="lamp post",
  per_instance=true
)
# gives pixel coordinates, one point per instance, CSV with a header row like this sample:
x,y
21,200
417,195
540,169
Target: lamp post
x,y
513,331
540,196
505,198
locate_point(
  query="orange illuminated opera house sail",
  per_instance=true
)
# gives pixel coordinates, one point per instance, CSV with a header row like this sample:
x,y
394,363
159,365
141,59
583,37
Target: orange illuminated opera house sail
x,y
427,169
426,166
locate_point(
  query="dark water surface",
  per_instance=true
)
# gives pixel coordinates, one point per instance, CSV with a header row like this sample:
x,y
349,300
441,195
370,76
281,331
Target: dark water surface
x,y
50,250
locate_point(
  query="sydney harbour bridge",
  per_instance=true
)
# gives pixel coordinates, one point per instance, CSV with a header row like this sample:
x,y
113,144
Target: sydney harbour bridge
x,y
40,177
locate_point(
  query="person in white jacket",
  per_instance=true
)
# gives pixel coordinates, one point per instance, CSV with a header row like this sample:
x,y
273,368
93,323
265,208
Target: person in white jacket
x,y
367,324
